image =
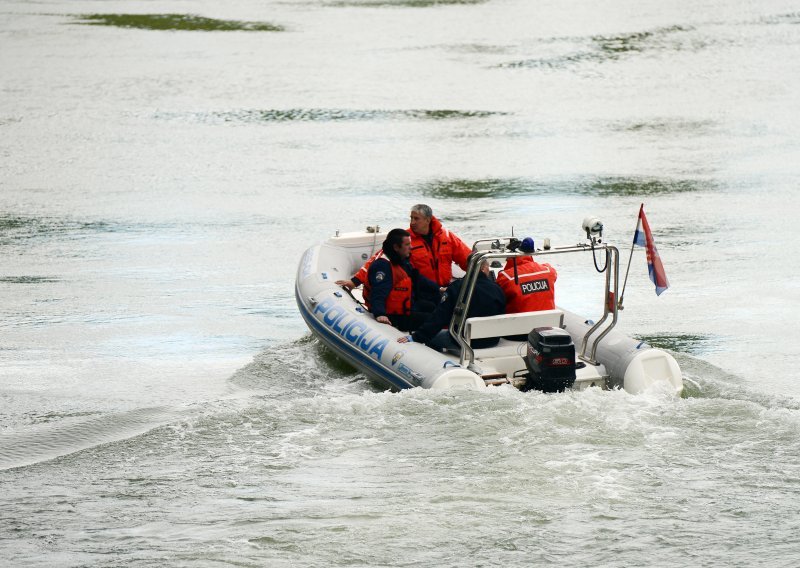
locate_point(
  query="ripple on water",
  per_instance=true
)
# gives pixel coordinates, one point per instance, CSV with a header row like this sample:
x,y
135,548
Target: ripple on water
x,y
257,116
668,127
305,475
303,366
638,41
491,188
180,22
401,3
21,227
51,441
28,279
788,18
692,343
600,49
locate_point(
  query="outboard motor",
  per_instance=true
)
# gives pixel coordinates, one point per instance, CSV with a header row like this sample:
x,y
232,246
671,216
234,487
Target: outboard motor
x,y
550,360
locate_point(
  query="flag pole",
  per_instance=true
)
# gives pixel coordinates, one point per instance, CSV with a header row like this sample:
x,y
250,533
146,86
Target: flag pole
x,y
630,258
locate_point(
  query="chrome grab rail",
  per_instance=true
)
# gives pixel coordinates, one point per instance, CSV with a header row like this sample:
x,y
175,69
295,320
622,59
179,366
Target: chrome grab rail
x,y
458,322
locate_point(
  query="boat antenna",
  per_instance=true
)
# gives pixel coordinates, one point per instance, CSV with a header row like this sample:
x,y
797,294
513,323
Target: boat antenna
x,y
512,246
627,270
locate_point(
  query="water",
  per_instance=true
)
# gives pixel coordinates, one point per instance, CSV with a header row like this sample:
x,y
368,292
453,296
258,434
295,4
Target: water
x,y
164,404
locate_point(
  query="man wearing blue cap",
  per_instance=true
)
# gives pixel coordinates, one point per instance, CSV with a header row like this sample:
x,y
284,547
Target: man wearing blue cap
x,y
527,285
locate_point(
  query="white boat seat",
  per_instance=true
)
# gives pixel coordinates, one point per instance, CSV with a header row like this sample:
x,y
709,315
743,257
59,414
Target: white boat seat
x,y
504,326
511,324
505,348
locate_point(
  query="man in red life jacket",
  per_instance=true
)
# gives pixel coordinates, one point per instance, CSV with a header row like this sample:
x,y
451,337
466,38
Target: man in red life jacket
x,y
487,300
392,286
531,287
434,249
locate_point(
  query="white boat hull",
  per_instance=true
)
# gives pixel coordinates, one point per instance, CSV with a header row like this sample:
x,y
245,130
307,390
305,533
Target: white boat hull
x,y
351,332
344,326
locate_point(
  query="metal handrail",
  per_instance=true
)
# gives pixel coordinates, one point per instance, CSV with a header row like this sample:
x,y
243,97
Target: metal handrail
x,y
460,311
458,321
612,256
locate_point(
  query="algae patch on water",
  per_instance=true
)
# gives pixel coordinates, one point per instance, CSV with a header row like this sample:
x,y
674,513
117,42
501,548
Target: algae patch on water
x,y
691,343
591,186
599,49
481,188
183,22
642,185
402,3
326,115
20,229
27,279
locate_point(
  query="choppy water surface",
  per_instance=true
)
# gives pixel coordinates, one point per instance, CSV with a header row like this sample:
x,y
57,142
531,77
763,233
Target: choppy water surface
x,y
162,171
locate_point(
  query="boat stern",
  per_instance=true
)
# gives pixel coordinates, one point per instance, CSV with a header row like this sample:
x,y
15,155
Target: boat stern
x,y
650,367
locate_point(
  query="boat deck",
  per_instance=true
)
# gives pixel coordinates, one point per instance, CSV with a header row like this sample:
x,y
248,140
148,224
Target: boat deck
x,y
505,362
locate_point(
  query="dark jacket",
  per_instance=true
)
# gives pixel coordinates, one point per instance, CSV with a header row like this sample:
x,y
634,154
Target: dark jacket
x,y
487,300
380,280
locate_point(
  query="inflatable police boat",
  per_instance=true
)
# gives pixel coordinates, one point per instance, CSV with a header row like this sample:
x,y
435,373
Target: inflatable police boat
x,y
558,349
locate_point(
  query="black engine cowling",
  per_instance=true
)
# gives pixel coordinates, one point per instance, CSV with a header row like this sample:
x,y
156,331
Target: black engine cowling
x,y
550,360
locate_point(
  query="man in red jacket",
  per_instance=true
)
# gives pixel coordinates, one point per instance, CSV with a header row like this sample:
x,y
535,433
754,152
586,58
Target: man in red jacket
x,y
434,249
531,287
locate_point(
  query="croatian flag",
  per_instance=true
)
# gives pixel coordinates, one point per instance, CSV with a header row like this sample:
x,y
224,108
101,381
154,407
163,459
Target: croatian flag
x,y
644,238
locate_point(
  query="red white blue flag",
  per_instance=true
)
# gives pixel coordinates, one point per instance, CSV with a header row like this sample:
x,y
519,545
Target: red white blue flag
x,y
644,238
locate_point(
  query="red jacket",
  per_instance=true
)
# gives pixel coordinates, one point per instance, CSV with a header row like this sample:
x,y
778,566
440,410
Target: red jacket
x,y
361,276
536,287
433,262
398,302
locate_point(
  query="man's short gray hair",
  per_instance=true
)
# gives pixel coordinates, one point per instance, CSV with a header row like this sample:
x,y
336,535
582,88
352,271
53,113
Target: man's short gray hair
x,y
423,210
